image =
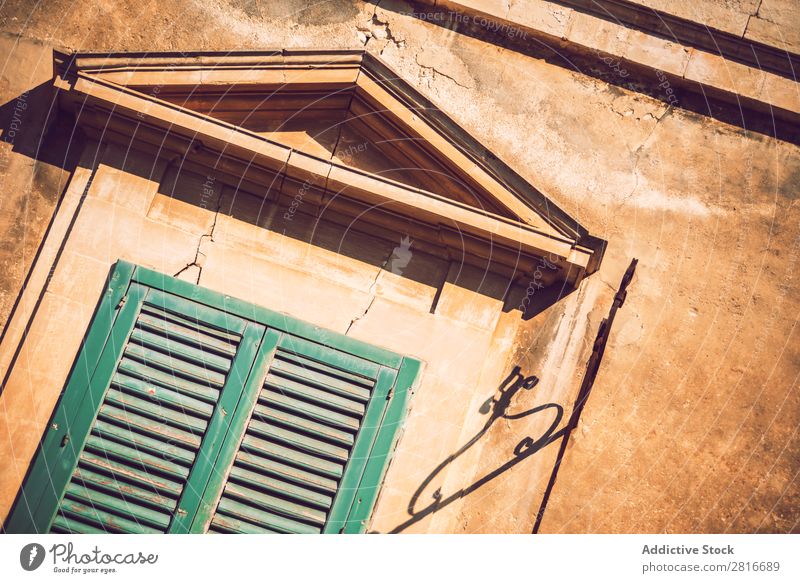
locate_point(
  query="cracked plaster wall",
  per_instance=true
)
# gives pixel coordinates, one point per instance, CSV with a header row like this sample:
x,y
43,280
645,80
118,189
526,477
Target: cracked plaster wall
x,y
692,423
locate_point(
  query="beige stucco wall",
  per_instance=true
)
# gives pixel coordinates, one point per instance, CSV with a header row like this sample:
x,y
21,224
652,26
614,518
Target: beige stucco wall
x,y
692,424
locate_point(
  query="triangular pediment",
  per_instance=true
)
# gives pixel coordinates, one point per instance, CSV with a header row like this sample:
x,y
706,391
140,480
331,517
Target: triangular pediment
x,y
341,124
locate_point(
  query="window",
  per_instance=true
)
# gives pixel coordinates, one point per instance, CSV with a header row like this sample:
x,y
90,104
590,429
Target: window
x,y
189,411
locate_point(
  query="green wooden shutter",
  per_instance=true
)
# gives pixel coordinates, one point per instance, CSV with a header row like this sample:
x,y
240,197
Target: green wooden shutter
x,y
304,449
161,417
132,456
189,411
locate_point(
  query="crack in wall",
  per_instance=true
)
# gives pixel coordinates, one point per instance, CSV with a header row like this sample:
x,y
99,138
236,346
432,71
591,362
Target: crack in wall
x,y
434,72
378,29
372,293
200,256
399,43
357,318
637,153
755,15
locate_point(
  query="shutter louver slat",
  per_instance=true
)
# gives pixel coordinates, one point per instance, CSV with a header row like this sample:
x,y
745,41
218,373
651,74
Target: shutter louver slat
x,y
206,392
288,455
320,377
187,332
113,486
125,475
112,522
228,525
270,467
268,520
83,492
297,440
152,409
302,389
132,456
196,355
272,503
148,426
272,398
163,363
65,525
296,447
313,428
165,397
281,488
143,444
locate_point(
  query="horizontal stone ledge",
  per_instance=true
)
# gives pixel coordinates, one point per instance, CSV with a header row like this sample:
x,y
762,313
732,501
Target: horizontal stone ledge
x,y
568,30
111,112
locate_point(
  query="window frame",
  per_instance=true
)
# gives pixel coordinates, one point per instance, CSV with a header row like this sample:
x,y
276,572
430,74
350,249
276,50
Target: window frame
x,y
53,465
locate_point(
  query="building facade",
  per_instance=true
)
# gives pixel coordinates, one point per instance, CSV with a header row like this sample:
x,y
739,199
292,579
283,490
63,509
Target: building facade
x,y
380,279
355,289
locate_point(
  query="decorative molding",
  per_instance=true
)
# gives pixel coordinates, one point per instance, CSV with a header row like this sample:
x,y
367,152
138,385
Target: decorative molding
x,y
199,106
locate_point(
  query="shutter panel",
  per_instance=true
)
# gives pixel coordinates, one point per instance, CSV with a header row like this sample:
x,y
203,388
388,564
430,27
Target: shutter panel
x,y
314,408
154,418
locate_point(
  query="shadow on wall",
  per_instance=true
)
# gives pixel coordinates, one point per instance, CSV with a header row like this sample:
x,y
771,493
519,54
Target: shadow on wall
x,y
31,126
497,407
35,128
528,445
